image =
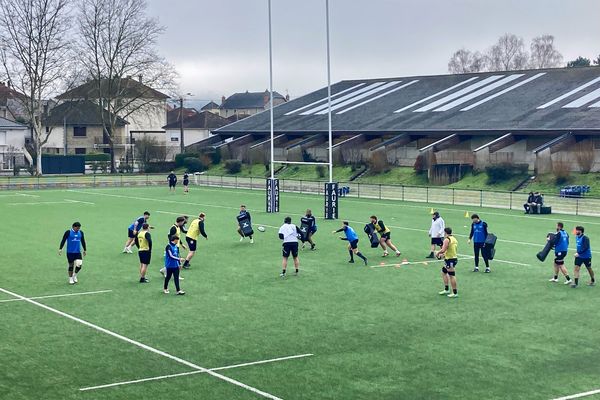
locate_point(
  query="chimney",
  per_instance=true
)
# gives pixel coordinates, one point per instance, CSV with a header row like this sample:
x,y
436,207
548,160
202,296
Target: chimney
x,y
140,78
287,97
9,84
223,100
266,98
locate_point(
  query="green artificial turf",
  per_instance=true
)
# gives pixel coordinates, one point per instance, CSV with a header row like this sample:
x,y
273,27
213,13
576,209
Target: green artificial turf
x,y
376,332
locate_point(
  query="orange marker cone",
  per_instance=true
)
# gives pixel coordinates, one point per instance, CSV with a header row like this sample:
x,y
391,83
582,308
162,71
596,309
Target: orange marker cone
x,y
431,211
467,214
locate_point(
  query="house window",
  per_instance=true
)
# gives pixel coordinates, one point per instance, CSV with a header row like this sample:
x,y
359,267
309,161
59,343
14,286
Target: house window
x,y
106,150
80,150
174,139
79,131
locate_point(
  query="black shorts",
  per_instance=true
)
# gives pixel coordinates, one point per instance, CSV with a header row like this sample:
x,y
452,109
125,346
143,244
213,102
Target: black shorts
x,y
130,234
71,257
191,243
354,244
437,241
386,236
585,261
290,247
172,184
451,262
145,256
185,183
560,257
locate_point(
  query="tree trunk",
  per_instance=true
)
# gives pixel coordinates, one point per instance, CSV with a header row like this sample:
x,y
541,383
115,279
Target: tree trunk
x,y
38,160
113,168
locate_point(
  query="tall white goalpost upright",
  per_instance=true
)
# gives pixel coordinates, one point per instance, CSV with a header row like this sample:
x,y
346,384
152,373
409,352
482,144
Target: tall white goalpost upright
x,y
331,187
272,184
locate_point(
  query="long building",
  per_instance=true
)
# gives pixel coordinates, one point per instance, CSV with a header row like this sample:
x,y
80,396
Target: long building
x,y
533,117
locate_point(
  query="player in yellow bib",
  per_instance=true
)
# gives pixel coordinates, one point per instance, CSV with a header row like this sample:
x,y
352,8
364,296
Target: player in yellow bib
x,y
385,236
449,251
196,229
143,241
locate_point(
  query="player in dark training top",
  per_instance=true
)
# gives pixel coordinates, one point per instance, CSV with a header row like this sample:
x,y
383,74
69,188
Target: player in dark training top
x,y
308,227
75,241
133,229
186,183
245,224
352,239
172,179
561,247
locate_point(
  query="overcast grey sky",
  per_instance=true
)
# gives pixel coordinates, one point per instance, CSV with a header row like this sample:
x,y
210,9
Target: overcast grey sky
x,y
221,46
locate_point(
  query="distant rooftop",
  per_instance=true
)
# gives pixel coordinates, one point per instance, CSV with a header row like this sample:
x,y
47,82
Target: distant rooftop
x,y
249,100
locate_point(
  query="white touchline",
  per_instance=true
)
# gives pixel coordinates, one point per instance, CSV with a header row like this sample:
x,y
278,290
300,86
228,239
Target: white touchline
x,y
579,395
37,203
57,295
500,261
143,346
174,213
156,378
18,194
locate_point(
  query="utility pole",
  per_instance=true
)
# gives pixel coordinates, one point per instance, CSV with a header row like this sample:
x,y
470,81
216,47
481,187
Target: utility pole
x,y
181,141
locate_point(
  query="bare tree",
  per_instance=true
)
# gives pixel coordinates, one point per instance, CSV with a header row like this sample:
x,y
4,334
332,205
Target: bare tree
x,y
465,61
149,149
34,43
507,54
118,41
544,53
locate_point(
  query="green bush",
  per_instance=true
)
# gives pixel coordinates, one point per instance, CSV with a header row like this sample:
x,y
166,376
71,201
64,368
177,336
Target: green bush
x,y
159,166
233,166
215,156
193,164
503,172
97,157
179,158
321,171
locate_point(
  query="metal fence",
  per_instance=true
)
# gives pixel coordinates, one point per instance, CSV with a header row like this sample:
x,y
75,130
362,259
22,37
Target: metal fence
x,y
589,206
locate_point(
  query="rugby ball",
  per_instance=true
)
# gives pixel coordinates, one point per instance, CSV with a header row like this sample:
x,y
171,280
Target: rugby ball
x,y
261,228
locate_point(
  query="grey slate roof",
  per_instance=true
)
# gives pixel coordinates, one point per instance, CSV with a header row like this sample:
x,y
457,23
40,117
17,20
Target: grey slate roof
x,y
210,106
83,113
8,124
248,100
201,120
123,88
532,100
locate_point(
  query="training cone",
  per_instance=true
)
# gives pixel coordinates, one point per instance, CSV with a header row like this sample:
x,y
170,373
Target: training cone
x,y
467,214
431,211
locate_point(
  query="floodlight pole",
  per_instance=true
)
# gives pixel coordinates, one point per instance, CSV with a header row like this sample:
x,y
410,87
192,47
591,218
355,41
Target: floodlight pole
x,y
329,94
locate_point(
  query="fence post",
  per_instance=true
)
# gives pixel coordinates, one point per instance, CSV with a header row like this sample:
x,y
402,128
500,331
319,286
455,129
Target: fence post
x,y
300,186
380,191
481,198
121,180
427,194
453,195
251,184
94,181
38,182
576,206
236,185
221,180
146,179
510,200
402,192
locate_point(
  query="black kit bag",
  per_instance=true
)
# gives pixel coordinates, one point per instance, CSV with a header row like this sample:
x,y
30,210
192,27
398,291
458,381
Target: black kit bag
x,y
372,234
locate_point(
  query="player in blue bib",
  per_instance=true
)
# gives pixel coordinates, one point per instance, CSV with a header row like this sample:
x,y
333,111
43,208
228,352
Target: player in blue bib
x,y
583,256
352,239
561,247
75,241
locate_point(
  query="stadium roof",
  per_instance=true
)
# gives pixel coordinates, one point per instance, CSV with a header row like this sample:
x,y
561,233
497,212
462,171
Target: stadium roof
x,y
531,100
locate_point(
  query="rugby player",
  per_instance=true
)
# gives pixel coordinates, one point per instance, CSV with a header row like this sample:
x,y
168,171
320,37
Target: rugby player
x,y
75,240
352,239
449,251
384,236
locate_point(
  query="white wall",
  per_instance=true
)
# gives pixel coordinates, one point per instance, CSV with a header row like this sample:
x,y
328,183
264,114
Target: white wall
x,y
149,117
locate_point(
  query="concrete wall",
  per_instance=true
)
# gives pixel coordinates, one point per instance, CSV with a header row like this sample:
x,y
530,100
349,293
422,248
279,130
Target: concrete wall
x,y
147,117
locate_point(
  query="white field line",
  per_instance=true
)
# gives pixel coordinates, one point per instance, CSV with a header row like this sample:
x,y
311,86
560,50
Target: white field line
x,y
579,395
500,261
57,295
37,203
143,346
156,378
540,245
399,264
79,201
18,194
